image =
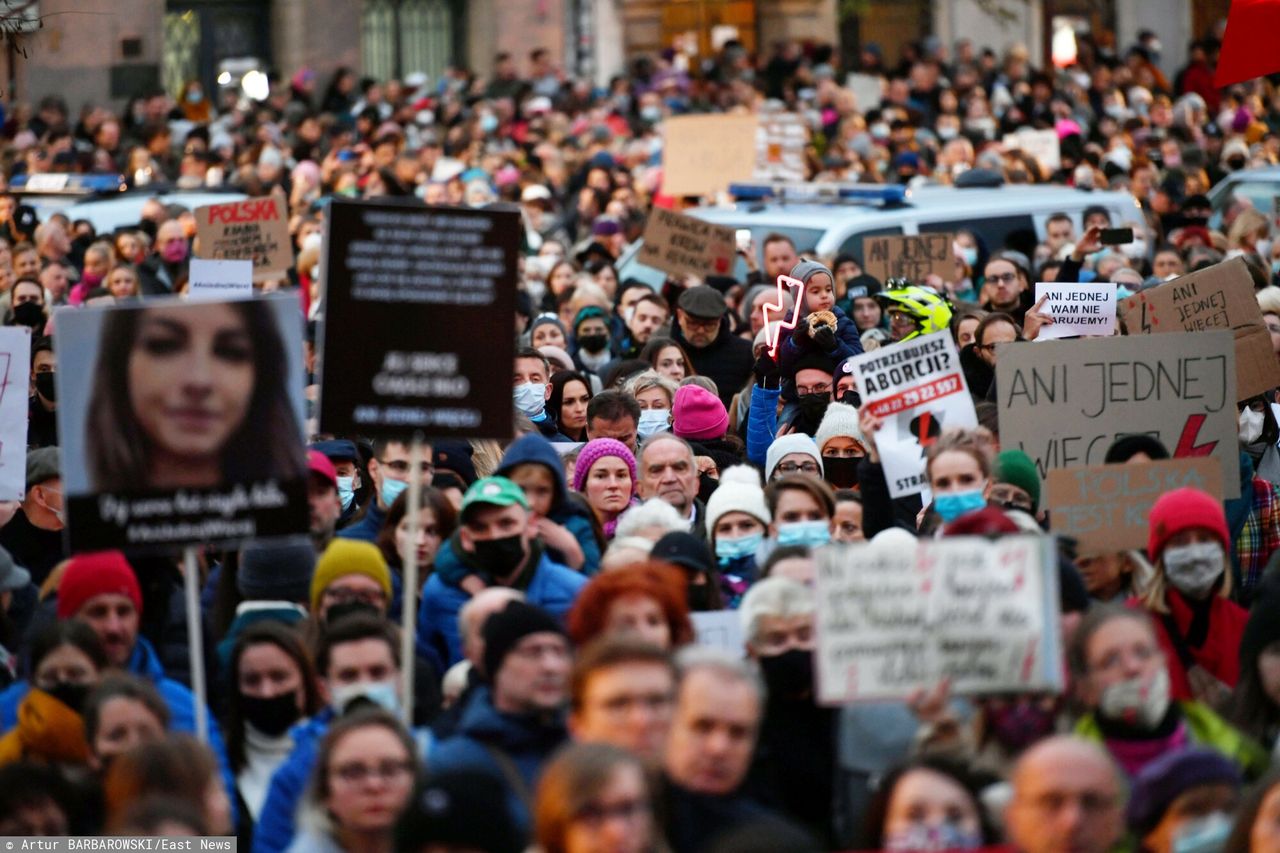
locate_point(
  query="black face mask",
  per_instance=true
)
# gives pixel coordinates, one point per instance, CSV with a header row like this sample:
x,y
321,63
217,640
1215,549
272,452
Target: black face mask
x,y
850,398
29,314
500,557
271,716
45,385
593,343
71,695
700,596
788,675
840,471
706,486
812,408
343,609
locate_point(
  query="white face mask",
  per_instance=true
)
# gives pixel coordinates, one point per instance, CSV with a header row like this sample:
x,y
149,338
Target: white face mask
x,y
1194,569
1263,247
1137,702
531,398
384,694
653,421
1251,424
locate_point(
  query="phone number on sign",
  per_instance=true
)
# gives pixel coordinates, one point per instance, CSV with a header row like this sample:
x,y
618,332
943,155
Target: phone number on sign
x,y
917,396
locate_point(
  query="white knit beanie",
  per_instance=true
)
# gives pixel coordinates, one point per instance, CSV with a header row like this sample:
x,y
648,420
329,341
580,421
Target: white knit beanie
x,y
840,419
795,442
739,491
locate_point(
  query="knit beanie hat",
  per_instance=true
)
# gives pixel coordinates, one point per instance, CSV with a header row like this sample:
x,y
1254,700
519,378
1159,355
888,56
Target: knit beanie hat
x,y
595,450
1170,776
279,572
349,557
840,420
862,286
1183,509
587,313
1016,468
697,414
796,442
547,319
807,269
504,630
739,491
91,575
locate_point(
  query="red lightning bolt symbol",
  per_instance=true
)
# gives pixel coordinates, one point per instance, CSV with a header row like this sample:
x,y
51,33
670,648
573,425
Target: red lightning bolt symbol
x,y
773,333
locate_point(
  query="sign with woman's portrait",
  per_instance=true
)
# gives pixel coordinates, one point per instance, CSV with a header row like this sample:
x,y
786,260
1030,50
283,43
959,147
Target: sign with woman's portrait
x,y
181,423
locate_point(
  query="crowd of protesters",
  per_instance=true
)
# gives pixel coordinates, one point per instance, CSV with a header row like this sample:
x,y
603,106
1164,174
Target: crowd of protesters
x,y
665,464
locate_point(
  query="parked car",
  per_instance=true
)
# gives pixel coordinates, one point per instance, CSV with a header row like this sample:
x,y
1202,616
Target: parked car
x,y
1260,186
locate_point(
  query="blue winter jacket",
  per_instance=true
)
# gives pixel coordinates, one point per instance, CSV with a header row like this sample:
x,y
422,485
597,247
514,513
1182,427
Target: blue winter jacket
x,y
527,740
848,344
553,587
366,529
762,423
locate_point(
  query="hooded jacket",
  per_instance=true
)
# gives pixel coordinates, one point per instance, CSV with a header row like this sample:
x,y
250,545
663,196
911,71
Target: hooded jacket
x,y
47,731
848,344
726,361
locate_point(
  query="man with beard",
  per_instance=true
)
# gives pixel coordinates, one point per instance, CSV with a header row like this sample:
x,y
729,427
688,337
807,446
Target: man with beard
x,y
1008,289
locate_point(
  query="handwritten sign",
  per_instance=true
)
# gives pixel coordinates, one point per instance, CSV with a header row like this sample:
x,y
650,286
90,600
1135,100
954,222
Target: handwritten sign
x,y
1105,507
913,258
253,230
218,280
679,245
1218,297
780,143
15,368
982,613
1065,402
919,388
1040,144
720,629
1077,309
703,154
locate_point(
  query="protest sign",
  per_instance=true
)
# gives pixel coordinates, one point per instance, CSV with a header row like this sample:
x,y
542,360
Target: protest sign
x,y
1065,402
15,370
780,142
425,298
680,245
868,90
703,154
217,280
719,629
1104,507
253,230
919,389
1218,297
181,423
913,258
982,613
1077,309
1040,144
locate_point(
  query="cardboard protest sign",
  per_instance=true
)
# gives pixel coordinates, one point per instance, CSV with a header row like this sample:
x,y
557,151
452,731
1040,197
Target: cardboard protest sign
x,y
426,298
181,423
15,368
1040,144
913,258
253,230
1218,297
1065,402
780,143
918,387
680,245
1077,309
982,613
703,154
218,280
1105,507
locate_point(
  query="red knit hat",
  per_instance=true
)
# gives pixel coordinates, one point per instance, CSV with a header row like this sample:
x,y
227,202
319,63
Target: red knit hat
x,y
1184,509
698,415
90,575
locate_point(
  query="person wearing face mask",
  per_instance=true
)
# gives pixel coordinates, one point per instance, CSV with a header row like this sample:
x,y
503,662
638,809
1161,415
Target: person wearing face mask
x,y
531,389
737,520
802,506
839,441
1015,482
591,351
1198,624
346,465
1122,681
167,265
34,534
1184,800
42,411
793,768
1253,519
929,804
27,296
389,469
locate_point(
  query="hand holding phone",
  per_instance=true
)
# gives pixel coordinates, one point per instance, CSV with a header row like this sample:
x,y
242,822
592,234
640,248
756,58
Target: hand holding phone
x,y
1116,236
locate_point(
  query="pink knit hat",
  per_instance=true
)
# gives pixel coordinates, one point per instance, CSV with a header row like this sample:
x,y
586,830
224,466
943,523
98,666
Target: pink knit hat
x,y
595,450
698,415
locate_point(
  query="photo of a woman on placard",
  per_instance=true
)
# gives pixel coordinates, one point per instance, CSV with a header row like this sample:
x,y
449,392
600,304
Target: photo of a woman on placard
x,y
191,396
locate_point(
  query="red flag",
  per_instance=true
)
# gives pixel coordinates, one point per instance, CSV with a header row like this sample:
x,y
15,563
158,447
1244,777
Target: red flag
x,y
1248,46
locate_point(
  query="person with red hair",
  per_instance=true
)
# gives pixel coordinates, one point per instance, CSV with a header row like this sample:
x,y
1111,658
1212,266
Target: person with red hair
x,y
646,600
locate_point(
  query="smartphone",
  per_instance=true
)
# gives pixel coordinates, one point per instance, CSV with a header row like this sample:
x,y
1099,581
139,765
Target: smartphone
x,y
346,155
743,236
1116,236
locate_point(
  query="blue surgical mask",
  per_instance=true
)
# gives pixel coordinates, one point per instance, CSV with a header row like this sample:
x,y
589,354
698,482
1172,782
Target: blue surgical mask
x,y
1275,267
380,693
955,504
969,254
1203,835
391,490
653,421
531,398
743,546
488,122
346,491
811,534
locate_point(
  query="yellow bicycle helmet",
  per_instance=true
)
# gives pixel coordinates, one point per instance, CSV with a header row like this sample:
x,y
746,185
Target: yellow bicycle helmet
x,y
926,306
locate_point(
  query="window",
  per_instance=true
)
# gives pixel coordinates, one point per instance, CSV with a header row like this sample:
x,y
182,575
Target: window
x,y
998,232
400,37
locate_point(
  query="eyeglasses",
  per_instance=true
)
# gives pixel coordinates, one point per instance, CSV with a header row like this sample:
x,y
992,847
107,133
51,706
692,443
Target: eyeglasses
x,y
1004,278
401,466
699,323
596,814
794,467
813,389
357,773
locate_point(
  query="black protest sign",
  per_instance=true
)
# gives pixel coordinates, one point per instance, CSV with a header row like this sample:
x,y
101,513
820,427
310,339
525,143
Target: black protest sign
x,y
419,320
181,423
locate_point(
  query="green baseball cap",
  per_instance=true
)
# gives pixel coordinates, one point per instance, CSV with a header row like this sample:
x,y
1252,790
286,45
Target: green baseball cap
x,y
494,491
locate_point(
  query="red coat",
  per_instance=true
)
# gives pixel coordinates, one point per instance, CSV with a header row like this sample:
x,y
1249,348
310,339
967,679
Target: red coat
x,y
1220,654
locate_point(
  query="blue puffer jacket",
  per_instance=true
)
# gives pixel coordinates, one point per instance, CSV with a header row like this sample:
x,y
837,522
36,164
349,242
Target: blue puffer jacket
x,y
525,739
553,587
366,529
181,701
762,423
